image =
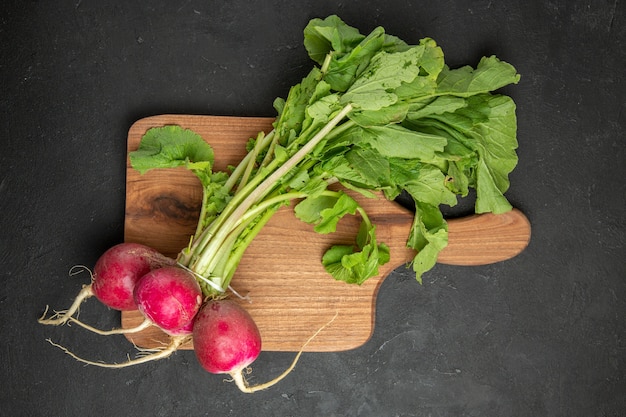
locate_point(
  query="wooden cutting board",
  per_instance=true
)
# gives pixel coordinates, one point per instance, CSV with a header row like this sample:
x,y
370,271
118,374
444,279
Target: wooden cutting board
x,y
291,295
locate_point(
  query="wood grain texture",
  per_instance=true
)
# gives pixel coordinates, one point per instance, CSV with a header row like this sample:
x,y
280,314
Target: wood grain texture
x,y
291,294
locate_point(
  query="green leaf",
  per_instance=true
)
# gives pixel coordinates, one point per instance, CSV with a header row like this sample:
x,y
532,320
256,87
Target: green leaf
x,y
344,69
481,134
394,44
439,105
386,71
292,110
459,176
370,165
424,182
489,126
332,263
308,210
490,74
325,211
355,265
313,187
395,141
339,167
497,143
391,114
330,216
321,110
215,197
431,63
428,236
169,147
321,36
299,180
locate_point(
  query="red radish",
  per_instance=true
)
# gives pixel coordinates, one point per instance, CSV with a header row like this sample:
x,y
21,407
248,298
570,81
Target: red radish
x,y
185,330
118,270
114,277
225,338
170,297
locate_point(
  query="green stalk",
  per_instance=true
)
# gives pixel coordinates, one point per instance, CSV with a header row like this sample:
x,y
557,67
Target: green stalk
x,y
199,245
270,150
266,204
221,252
201,217
252,160
326,63
238,172
237,254
341,129
203,235
215,268
267,208
217,235
291,162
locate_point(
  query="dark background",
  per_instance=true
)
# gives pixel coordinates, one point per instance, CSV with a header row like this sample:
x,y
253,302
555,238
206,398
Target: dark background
x,y
543,334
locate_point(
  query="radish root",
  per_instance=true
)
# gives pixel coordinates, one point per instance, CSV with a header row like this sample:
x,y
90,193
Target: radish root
x,y
175,343
142,326
241,297
61,317
242,384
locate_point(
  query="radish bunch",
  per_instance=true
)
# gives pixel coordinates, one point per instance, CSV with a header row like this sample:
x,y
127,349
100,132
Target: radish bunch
x,y
131,276
376,115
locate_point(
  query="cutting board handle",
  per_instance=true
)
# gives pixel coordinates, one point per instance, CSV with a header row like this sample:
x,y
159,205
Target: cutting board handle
x,y
475,239
482,239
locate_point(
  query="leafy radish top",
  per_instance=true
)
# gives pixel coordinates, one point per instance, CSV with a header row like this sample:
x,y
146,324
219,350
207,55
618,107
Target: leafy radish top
x,y
374,114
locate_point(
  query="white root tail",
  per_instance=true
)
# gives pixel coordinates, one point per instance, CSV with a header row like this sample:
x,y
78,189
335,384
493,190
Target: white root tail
x,y
61,317
175,343
143,325
242,384
241,297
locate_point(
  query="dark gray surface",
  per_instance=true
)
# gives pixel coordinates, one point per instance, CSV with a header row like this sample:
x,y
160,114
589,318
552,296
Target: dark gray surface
x,y
540,335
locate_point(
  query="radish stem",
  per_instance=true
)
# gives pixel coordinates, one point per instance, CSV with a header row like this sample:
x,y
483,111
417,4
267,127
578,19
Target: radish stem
x,y
203,251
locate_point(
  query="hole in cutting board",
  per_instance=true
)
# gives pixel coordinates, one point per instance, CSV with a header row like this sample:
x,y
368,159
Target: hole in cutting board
x,y
464,207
